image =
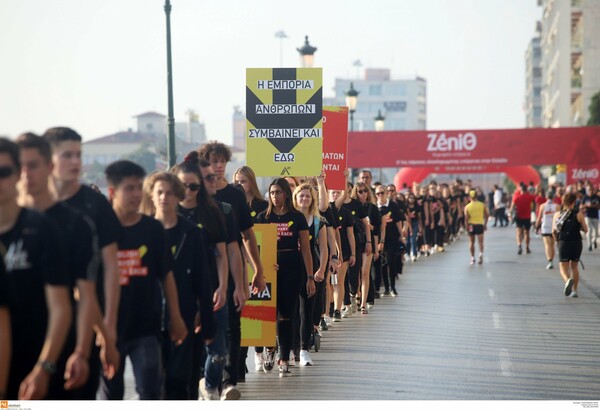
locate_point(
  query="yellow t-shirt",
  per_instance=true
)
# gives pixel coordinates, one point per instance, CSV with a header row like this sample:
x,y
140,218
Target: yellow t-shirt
x,y
476,211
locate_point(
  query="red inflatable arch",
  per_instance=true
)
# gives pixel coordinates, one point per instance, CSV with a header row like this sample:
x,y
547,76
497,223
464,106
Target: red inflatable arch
x,y
517,174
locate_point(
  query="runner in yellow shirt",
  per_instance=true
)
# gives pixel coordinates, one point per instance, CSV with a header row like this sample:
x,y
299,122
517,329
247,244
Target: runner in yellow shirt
x,y
476,219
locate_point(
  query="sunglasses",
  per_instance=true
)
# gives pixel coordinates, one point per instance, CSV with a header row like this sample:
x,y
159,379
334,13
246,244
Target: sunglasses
x,y
391,190
192,187
210,177
6,171
380,193
362,191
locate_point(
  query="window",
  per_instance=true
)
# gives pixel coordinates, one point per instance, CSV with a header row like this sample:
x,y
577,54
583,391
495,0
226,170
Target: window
x,y
537,72
375,89
537,91
395,89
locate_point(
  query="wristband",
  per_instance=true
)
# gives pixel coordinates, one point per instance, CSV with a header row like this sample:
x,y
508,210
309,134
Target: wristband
x,y
311,277
47,366
368,241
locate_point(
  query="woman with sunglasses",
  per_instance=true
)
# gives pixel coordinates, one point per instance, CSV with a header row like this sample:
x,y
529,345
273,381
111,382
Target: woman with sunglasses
x,y
305,201
362,193
390,238
294,264
199,207
414,210
162,193
246,178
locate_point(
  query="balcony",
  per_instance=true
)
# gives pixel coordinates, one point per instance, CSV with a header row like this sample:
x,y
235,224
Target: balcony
x,y
576,81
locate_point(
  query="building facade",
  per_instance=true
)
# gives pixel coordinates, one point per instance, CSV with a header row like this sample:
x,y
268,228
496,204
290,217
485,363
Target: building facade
x,y
403,103
570,44
533,80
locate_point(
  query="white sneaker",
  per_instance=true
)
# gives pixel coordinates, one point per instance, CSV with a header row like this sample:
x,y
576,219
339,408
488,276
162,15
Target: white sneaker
x,y
284,369
353,303
370,306
328,320
573,294
550,265
208,394
230,393
346,312
269,361
259,362
305,359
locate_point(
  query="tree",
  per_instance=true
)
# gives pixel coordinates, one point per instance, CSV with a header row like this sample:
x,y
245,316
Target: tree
x,y
143,157
595,110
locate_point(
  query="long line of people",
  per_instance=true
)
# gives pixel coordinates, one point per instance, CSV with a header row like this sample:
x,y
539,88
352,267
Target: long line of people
x,y
158,272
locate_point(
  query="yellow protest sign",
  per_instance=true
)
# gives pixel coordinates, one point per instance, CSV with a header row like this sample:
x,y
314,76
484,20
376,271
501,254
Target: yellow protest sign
x,y
284,121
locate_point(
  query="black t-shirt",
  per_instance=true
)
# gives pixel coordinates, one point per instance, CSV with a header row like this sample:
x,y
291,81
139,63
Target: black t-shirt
x,y
257,206
108,228
237,200
192,273
34,256
358,212
289,226
331,216
211,240
3,286
374,217
79,235
413,213
231,224
144,261
344,221
391,229
593,200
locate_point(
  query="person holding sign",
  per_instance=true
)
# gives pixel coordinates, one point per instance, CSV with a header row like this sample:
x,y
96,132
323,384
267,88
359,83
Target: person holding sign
x,y
292,234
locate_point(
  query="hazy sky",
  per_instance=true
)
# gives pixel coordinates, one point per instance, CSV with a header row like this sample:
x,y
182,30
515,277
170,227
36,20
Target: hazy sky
x,y
93,64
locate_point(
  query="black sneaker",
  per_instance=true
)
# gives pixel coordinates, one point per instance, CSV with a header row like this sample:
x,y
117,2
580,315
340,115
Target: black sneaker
x,y
590,248
323,325
337,316
568,287
527,250
520,251
386,293
377,295
394,293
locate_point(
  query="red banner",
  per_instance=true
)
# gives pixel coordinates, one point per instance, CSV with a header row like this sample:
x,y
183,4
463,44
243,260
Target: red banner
x,y
584,173
335,146
474,150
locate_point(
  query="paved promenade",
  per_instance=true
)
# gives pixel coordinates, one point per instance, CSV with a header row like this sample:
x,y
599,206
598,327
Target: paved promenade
x,y
498,331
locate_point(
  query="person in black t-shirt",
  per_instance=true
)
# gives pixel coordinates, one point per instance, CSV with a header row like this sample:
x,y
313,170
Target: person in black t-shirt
x,y
348,246
217,155
145,263
5,333
590,207
162,192
66,159
36,276
390,239
79,235
200,208
294,261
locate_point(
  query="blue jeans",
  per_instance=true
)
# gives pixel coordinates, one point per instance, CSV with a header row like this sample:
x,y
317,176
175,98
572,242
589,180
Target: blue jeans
x,y
216,351
145,356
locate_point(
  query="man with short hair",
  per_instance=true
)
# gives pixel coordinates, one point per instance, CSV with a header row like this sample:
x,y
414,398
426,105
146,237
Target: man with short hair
x,y
365,176
145,262
66,159
79,236
522,202
36,274
476,219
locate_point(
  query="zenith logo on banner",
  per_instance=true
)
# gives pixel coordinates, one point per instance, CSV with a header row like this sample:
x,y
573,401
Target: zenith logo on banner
x,y
579,173
442,143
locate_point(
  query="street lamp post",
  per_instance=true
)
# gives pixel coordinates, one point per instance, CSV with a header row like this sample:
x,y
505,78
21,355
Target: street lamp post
x,y
171,155
379,124
307,54
280,35
351,101
379,121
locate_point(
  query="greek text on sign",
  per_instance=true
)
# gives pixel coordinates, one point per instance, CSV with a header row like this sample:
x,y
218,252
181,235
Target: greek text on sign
x,y
285,85
285,133
285,109
284,121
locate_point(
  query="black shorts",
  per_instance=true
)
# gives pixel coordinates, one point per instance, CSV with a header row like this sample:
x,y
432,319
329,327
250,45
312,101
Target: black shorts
x,y
476,229
569,251
524,223
548,234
